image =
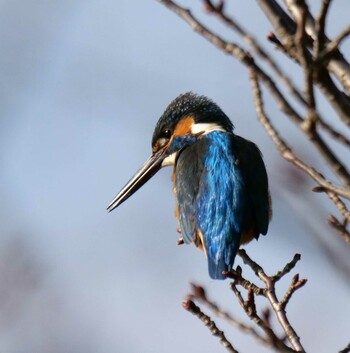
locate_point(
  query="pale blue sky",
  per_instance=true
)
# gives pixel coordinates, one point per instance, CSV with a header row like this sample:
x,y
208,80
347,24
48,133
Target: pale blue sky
x,y
83,84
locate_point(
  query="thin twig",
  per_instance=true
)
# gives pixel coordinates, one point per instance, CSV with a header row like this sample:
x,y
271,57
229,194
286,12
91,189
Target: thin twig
x,y
287,268
271,296
336,135
281,314
333,46
198,293
340,227
285,28
296,284
320,25
300,39
233,24
337,65
340,205
190,306
338,202
274,340
244,57
282,146
248,285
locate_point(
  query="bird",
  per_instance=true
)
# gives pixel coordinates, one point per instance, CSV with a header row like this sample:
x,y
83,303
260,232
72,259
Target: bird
x,y
219,180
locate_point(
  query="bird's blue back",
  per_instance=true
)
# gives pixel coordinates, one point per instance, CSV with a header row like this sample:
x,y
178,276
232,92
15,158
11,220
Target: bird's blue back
x,y
222,192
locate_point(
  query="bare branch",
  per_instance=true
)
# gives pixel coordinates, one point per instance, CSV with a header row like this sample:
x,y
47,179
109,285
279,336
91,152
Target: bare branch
x,y
289,267
296,284
299,9
340,205
335,134
339,38
325,151
336,200
320,24
304,40
337,65
198,293
285,28
282,146
249,286
276,305
250,310
236,51
333,46
233,24
190,306
300,40
270,338
340,227
228,47
280,20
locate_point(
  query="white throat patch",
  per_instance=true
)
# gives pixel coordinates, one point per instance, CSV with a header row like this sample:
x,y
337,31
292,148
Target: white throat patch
x,y
170,160
205,128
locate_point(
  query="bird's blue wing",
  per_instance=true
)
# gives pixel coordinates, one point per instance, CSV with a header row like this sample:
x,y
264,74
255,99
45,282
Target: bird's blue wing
x,y
188,168
254,173
218,194
223,207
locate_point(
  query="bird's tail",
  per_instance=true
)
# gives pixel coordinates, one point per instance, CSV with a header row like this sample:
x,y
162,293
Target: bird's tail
x,y
216,269
222,260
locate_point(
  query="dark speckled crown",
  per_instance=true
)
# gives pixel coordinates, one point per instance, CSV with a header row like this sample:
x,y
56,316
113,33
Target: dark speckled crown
x,y
203,109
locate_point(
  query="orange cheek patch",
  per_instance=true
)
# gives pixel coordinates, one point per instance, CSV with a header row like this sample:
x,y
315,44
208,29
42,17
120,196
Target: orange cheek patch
x,y
184,126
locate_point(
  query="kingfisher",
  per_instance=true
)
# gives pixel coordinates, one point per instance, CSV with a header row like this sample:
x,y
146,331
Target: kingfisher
x,y
219,179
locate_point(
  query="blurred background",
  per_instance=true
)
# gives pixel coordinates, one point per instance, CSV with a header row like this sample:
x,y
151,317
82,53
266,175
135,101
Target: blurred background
x,y
82,86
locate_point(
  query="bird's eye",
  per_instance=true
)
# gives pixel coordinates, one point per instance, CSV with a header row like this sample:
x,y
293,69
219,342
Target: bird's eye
x,y
166,133
162,139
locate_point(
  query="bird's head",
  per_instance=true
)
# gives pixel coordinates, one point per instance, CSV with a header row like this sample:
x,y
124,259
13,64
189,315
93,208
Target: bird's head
x,y
187,117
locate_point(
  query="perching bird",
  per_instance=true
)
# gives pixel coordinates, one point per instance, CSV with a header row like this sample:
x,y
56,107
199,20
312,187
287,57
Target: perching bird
x,y
220,180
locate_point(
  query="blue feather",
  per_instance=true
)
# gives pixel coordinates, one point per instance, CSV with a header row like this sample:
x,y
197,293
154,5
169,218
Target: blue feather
x,y
222,191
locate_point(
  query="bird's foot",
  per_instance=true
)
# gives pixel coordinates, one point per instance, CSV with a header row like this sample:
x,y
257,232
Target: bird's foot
x,y
180,241
234,274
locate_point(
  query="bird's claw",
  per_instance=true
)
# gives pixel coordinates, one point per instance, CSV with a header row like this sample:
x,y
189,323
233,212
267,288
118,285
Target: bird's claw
x,y
233,273
180,241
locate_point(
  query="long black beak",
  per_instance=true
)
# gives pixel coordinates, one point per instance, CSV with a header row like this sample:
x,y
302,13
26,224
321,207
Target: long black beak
x,y
151,167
